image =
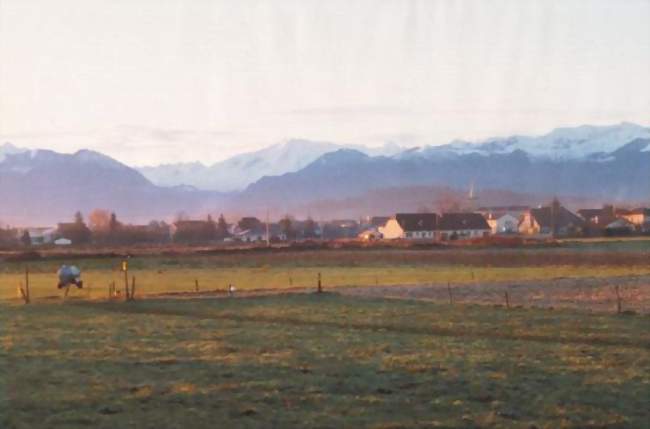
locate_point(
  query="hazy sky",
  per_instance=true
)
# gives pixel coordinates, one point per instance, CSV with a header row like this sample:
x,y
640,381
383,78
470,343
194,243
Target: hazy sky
x,y
150,81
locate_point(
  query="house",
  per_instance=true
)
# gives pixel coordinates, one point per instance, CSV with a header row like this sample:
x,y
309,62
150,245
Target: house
x,y
597,220
259,233
637,217
40,235
370,234
554,220
620,226
376,221
411,226
370,227
503,219
454,226
77,232
504,223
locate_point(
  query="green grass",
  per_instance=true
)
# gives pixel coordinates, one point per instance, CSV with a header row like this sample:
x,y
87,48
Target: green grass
x,y
319,361
285,270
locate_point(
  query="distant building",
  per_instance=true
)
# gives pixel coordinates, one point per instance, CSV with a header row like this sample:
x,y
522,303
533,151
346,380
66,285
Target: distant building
x,y
503,224
259,233
39,235
597,220
370,227
620,226
411,226
503,219
462,225
552,221
637,217
377,221
370,234
77,232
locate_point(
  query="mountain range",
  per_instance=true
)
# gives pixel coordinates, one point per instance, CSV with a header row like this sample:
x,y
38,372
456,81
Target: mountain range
x,y
576,143
323,179
236,173
42,186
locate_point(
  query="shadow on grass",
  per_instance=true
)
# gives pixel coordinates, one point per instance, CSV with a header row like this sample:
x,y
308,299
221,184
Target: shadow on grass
x,y
183,309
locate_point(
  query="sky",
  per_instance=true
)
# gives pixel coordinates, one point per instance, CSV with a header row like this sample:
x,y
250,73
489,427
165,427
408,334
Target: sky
x,y
164,81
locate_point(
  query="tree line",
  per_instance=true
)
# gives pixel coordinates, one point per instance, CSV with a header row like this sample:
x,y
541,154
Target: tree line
x,y
104,228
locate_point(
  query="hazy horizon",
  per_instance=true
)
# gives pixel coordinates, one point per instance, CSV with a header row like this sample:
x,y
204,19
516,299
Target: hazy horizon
x,y
163,82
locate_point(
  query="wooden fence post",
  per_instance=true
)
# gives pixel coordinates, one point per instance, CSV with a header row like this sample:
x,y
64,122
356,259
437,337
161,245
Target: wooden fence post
x,y
196,285
320,285
507,300
132,294
451,298
23,295
619,307
126,284
27,297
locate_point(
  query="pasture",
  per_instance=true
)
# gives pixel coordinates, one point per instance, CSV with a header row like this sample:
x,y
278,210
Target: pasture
x,y
319,360
279,355
286,270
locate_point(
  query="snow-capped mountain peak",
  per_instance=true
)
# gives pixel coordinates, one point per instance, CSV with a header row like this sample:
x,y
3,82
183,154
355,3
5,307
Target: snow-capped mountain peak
x,y
238,172
9,149
562,143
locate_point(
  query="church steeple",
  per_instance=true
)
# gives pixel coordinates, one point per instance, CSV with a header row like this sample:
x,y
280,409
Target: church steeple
x,y
471,198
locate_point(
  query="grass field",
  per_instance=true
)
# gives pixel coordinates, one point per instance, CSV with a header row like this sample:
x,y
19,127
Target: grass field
x,y
346,358
281,270
325,360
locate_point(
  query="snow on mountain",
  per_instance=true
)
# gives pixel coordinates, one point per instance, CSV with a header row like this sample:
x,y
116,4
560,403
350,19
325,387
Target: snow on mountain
x,y
562,143
9,149
238,172
170,175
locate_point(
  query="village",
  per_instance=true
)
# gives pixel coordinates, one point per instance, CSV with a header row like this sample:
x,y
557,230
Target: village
x,y
543,222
